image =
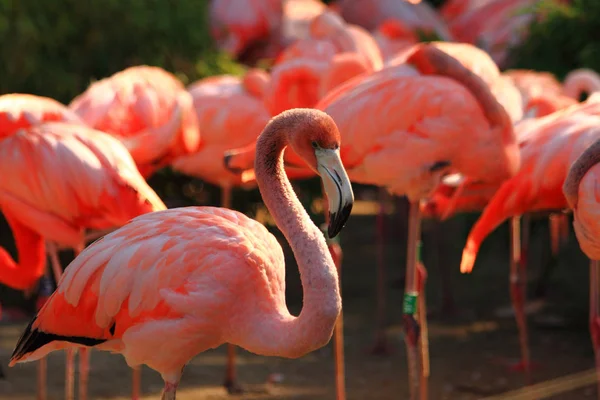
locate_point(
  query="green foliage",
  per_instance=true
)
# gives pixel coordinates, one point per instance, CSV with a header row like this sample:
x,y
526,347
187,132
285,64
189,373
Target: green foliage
x,y
56,48
565,39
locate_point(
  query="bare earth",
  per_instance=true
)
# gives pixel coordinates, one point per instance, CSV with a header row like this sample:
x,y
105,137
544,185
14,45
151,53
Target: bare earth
x,y
468,352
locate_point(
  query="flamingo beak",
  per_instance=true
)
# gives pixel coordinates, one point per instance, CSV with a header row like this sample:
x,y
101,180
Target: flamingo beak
x,y
337,188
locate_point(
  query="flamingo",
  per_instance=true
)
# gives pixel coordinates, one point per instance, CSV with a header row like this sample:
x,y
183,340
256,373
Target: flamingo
x,y
147,109
170,284
422,147
549,143
95,184
252,30
231,113
415,15
306,70
580,191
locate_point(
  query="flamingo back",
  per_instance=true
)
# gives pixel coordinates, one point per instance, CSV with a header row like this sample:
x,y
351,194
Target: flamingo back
x,y
230,117
67,177
18,111
397,117
147,109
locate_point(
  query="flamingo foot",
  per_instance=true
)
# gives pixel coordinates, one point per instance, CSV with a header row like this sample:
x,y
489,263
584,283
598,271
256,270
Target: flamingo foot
x,y
233,387
515,366
521,367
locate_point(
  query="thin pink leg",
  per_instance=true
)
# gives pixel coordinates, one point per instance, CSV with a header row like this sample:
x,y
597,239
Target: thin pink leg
x,y
410,304
595,314
70,353
41,379
424,336
338,333
381,345
169,391
231,383
137,383
517,291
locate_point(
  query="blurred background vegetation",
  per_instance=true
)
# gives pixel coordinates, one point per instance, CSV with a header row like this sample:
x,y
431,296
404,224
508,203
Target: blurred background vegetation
x,y
57,48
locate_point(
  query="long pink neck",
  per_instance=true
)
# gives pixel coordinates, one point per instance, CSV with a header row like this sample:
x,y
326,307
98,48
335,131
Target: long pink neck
x,y
286,335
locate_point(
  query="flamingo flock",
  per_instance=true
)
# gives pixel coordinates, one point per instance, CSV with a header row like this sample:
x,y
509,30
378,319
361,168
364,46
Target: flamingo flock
x,y
351,95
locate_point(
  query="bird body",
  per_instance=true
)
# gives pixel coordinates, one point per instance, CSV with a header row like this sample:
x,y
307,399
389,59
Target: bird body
x,y
19,110
426,117
64,178
147,109
231,115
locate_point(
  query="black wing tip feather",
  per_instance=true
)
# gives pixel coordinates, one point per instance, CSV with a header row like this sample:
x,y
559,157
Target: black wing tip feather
x,y
31,340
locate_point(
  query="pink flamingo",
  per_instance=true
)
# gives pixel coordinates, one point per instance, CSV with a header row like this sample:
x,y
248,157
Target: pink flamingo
x,y
254,30
549,145
416,15
581,192
95,185
171,284
306,70
231,113
147,109
424,138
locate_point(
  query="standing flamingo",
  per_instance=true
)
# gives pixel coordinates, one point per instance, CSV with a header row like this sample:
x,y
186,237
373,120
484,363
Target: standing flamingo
x,y
171,284
581,191
147,109
408,117
94,184
551,142
231,113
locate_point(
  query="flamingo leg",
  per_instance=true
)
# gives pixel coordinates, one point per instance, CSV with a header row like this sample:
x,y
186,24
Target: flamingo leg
x,y
137,383
70,353
230,373
517,292
424,337
338,338
595,314
381,345
169,391
411,294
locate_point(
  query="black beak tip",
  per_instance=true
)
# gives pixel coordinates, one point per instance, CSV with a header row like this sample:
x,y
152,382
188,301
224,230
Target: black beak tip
x,y
337,220
227,160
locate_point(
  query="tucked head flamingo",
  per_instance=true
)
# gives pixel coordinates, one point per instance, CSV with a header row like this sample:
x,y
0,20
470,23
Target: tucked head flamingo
x,y
147,109
65,178
171,284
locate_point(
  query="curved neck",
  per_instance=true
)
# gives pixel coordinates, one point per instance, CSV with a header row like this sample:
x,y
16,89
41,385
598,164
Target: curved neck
x,y
581,81
286,335
589,158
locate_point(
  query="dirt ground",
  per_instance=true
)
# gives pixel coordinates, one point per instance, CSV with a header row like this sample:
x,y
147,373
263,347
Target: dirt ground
x,y
469,351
